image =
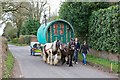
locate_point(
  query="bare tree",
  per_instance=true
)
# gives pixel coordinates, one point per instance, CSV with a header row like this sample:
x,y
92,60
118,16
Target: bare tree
x,y
37,8
20,11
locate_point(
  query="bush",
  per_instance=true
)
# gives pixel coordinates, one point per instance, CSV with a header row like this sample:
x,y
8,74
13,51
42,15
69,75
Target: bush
x,y
21,39
103,30
27,39
15,40
24,39
78,14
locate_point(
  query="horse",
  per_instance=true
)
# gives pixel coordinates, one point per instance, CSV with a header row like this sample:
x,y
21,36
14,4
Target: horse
x,y
67,52
52,54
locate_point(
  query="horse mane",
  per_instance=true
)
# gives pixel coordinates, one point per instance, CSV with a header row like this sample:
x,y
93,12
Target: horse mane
x,y
68,45
54,45
48,45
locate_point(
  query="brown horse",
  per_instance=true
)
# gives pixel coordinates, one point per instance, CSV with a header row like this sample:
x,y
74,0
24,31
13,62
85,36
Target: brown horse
x,y
67,51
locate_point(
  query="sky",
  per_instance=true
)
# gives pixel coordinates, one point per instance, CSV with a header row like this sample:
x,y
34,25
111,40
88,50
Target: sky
x,y
54,5
1,28
54,8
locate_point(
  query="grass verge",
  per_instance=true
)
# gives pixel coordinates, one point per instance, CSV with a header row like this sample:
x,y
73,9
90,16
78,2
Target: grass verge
x,y
102,62
21,44
9,64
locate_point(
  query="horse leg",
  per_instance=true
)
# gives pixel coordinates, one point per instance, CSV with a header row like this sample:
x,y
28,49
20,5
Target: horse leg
x,y
51,59
55,60
48,58
67,60
71,57
44,57
63,59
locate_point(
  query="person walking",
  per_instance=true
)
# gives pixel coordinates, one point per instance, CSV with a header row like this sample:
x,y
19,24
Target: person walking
x,y
84,49
33,49
77,48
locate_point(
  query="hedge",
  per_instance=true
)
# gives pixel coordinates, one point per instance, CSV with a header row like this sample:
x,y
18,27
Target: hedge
x,y
15,40
104,29
23,39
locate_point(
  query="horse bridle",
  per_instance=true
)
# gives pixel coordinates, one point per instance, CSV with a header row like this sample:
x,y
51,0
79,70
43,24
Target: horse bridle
x,y
70,45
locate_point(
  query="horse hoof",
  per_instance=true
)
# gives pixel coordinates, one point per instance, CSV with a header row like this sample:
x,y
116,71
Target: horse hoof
x,y
45,61
70,65
50,63
62,63
67,63
55,64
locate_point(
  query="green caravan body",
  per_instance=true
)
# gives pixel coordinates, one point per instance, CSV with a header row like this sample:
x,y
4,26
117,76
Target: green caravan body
x,y
57,29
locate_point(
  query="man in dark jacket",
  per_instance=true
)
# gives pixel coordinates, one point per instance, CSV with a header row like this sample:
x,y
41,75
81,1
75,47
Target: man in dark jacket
x,y
77,48
84,49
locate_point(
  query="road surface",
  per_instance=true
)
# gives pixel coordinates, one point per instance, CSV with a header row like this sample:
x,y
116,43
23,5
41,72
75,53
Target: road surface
x,y
34,67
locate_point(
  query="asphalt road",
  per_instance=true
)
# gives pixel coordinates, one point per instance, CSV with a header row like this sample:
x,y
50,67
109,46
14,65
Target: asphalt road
x,y
34,67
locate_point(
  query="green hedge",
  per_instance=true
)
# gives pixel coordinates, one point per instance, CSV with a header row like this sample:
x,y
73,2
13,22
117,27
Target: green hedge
x,y
27,39
23,39
103,31
15,40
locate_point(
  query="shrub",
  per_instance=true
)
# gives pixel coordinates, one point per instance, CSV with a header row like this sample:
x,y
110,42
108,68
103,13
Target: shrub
x,y
21,39
27,39
24,39
104,32
15,40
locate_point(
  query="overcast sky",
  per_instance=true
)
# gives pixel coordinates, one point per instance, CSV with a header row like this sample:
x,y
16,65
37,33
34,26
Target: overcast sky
x,y
54,4
1,28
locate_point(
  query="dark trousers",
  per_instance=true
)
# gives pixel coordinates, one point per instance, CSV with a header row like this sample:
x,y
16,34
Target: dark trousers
x,y
75,58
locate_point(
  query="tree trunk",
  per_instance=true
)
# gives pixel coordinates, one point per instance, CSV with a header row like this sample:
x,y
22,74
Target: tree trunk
x,y
18,33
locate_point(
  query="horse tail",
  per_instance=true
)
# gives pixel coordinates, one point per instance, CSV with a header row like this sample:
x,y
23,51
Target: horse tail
x,y
54,45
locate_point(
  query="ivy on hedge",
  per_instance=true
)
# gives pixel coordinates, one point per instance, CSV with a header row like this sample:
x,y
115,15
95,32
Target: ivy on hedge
x,y
104,29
